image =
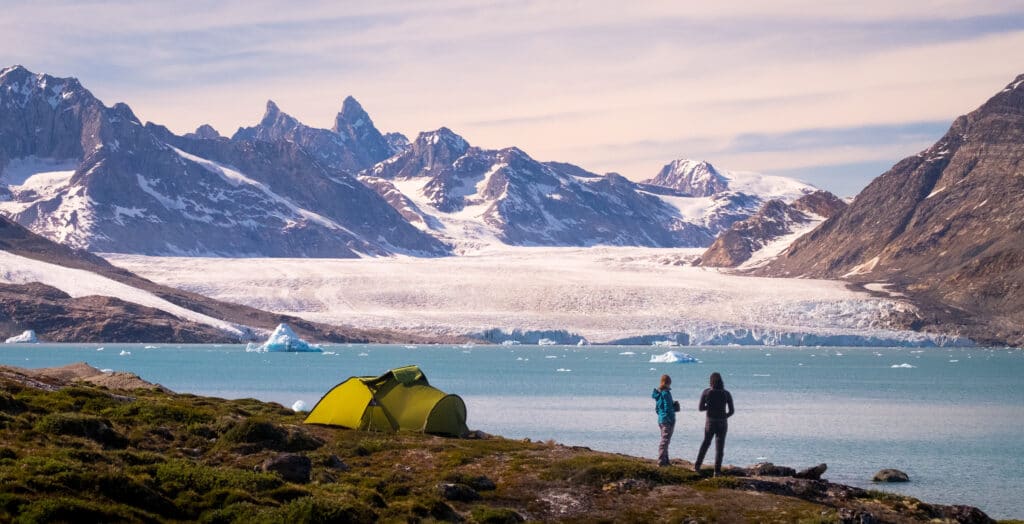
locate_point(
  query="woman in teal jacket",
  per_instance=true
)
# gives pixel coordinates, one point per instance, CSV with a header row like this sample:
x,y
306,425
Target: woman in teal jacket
x,y
663,405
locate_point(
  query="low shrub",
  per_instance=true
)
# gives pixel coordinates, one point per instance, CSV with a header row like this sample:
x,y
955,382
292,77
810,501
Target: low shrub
x,y
486,515
62,509
600,470
177,475
91,427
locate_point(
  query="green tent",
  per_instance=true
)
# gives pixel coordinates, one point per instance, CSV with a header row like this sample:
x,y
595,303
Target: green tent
x,y
399,400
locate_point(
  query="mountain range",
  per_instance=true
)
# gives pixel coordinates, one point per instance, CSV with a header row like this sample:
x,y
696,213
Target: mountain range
x,y
943,228
96,178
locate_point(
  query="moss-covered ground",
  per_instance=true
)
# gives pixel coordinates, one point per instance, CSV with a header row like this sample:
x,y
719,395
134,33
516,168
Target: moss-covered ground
x,y
87,454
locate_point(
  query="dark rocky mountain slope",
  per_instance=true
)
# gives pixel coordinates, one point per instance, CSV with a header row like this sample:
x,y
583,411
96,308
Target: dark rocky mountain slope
x,y
945,226
774,220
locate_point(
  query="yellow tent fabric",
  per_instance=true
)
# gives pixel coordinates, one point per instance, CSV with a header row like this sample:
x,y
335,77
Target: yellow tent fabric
x,y
399,400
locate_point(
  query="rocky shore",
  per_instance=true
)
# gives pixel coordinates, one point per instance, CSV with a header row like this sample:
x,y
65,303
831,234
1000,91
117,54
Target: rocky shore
x,y
80,444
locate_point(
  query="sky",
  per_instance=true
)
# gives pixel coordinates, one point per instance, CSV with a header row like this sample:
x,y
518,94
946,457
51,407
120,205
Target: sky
x,y
830,92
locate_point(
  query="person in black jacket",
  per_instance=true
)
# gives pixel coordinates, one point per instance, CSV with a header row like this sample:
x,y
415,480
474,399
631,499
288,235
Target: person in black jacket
x,y
717,401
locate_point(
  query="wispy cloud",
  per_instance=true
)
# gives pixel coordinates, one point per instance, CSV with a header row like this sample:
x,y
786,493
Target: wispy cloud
x,y
609,86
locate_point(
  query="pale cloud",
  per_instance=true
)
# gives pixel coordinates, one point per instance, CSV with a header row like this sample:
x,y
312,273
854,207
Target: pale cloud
x,y
608,86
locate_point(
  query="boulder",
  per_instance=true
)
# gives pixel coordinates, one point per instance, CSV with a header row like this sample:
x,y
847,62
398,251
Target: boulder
x,y
812,473
292,467
482,483
459,492
336,463
890,475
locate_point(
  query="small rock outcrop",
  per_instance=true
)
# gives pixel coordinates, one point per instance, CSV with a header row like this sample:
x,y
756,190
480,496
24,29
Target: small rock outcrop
x,y
890,475
814,473
767,469
290,466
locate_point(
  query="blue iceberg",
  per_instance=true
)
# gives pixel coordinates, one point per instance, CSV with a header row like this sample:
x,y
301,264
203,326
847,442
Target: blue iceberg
x,y
673,357
26,337
283,339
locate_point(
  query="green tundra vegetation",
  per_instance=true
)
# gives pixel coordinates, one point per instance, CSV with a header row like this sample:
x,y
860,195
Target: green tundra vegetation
x,y
84,453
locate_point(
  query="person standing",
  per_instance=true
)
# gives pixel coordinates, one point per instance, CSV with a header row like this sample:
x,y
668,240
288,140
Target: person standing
x,y
717,402
665,407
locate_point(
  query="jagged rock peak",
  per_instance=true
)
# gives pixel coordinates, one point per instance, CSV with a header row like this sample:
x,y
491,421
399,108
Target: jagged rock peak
x,y
205,131
19,80
397,141
14,70
697,178
122,110
273,113
351,110
442,136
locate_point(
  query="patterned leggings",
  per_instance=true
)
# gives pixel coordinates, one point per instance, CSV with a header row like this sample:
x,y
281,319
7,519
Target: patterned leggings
x,y
666,436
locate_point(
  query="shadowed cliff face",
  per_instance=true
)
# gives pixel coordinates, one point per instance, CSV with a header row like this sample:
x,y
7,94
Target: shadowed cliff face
x,y
774,220
945,225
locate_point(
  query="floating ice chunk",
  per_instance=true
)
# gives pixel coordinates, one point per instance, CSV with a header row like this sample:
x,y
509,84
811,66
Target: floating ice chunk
x,y
546,342
563,370
410,346
329,353
99,349
283,339
673,357
125,352
550,356
299,405
627,353
26,337
954,361
665,343
509,342
364,354
762,375
150,347
902,366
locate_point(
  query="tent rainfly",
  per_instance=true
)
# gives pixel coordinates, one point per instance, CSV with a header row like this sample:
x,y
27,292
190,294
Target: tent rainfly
x,y
399,400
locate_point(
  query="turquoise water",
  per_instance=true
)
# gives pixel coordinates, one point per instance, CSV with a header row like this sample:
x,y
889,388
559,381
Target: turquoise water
x,y
953,419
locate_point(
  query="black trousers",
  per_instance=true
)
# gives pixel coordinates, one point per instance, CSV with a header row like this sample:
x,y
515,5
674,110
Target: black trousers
x,y
713,428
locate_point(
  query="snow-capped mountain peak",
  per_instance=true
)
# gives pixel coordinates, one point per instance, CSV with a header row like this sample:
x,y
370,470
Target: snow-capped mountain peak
x,y
693,177
701,179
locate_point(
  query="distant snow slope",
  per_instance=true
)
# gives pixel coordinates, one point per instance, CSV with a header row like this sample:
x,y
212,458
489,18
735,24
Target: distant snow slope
x,y
78,283
603,293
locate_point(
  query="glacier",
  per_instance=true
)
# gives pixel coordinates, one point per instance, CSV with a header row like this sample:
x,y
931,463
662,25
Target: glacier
x,y
284,340
605,295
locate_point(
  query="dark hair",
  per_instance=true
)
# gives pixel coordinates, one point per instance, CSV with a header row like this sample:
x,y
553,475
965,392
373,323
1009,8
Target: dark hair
x,y
716,381
666,381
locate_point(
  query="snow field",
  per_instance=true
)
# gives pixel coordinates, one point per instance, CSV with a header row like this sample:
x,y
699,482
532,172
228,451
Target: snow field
x,y
78,283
